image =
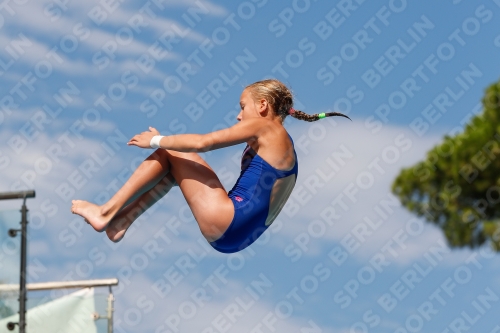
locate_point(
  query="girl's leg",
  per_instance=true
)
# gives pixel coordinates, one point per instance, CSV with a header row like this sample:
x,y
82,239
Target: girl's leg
x,y
201,187
123,220
204,193
147,175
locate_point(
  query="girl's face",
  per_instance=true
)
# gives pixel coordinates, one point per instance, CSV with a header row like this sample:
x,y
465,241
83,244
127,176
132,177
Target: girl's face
x,y
251,108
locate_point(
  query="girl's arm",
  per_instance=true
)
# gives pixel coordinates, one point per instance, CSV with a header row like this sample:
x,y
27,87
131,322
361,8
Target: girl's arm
x,y
243,131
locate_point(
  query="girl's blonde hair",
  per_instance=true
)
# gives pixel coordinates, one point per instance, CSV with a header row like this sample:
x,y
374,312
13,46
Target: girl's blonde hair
x,y
281,100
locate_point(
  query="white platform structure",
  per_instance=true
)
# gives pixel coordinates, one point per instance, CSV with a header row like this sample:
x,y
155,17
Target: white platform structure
x,y
61,314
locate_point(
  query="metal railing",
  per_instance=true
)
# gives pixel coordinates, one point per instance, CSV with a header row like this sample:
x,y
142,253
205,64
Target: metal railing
x,y
13,233
69,285
23,287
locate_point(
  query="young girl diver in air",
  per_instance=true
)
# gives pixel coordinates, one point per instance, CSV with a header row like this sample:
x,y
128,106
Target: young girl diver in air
x,y
229,221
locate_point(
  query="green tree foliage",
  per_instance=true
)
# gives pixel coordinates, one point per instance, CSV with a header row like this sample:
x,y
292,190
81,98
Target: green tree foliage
x,y
457,186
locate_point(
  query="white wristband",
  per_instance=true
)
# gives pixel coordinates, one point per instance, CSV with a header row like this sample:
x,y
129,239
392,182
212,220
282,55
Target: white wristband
x,y
155,141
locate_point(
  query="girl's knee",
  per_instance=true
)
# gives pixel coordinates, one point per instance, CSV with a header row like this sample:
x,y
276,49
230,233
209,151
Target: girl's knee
x,y
160,154
184,155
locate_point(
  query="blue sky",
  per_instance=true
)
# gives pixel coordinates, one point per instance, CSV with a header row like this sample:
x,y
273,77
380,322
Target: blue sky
x,y
80,78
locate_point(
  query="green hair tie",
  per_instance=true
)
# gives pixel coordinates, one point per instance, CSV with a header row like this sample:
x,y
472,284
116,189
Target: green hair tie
x,y
321,115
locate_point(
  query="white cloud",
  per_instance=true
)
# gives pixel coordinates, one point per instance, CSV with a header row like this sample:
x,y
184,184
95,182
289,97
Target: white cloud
x,y
160,24
213,8
41,24
50,19
46,16
231,306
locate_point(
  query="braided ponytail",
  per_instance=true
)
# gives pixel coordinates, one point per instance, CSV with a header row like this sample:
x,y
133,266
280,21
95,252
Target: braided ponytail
x,y
281,100
297,114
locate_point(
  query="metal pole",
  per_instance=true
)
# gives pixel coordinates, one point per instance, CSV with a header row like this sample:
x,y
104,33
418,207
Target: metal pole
x,y
110,311
17,195
22,279
61,285
24,253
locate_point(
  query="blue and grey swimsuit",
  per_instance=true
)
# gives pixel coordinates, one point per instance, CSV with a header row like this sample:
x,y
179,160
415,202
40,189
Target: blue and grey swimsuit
x,y
257,199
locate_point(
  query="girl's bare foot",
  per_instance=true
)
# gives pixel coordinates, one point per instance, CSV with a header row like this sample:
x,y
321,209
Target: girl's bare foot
x,y
91,213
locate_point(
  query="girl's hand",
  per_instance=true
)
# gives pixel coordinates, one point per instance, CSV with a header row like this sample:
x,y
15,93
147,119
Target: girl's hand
x,y
143,140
